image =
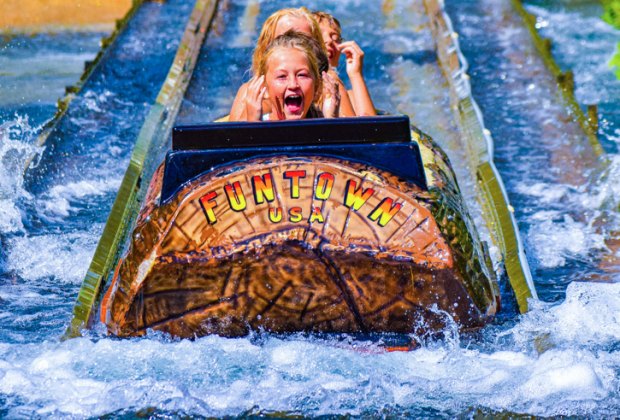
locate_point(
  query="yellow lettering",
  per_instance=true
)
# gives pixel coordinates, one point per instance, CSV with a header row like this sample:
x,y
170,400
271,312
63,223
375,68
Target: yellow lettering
x,y
295,214
324,185
385,211
294,177
356,197
275,214
235,196
207,202
263,188
316,215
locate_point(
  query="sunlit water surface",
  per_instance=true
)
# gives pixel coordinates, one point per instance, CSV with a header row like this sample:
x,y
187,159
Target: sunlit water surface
x,y
50,225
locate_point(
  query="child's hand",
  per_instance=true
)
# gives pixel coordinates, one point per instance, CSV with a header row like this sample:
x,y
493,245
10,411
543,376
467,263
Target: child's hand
x,y
354,57
254,98
331,96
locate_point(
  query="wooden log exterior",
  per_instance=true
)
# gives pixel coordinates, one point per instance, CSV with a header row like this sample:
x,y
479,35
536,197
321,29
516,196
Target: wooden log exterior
x,y
302,244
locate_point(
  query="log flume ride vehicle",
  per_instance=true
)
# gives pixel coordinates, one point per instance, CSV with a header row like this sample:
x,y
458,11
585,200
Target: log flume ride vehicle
x,y
320,226
337,226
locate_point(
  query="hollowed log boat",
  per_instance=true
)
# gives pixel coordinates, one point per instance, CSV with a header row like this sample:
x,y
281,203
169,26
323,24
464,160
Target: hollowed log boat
x,y
350,225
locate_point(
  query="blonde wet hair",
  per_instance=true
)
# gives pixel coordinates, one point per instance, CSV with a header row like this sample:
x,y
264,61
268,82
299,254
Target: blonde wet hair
x,y
268,32
330,19
302,42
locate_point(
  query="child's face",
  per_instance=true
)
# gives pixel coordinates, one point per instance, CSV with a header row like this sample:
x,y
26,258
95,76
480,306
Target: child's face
x,y
331,40
290,84
287,23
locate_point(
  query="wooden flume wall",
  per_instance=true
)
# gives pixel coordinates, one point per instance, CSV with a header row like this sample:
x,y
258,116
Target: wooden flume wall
x,y
155,129
477,141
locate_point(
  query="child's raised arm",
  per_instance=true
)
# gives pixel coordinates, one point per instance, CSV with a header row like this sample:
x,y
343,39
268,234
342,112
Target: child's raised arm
x,y
362,103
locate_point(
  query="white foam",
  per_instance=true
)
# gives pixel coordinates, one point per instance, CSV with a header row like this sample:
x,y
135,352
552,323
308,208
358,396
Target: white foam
x,y
13,381
546,193
64,256
215,376
559,373
605,191
16,147
554,241
583,223
10,217
590,314
56,203
589,318
94,101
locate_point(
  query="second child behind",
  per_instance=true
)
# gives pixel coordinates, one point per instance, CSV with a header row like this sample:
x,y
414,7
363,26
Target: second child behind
x,y
331,32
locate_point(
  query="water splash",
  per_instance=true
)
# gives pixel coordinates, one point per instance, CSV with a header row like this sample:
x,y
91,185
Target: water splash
x,y
60,256
588,319
215,376
576,223
62,201
556,237
17,147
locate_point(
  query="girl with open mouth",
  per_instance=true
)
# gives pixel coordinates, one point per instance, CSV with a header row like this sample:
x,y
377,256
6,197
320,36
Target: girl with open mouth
x,y
288,77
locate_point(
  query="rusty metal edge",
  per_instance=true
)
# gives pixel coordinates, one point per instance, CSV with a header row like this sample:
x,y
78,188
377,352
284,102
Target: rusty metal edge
x,y
154,130
477,141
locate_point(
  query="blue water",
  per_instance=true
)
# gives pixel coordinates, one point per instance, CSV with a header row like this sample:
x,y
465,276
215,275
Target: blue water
x,y
565,196
36,69
50,223
590,47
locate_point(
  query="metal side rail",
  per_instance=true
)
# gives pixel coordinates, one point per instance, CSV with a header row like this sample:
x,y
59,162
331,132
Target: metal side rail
x,y
154,131
478,143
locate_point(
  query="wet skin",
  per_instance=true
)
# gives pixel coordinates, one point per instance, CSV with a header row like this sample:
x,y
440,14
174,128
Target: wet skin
x,y
288,84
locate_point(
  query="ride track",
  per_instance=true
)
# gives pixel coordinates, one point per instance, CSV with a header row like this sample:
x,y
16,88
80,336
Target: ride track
x,y
446,77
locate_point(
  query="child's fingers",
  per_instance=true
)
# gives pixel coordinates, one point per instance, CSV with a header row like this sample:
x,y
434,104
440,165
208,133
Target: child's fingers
x,y
257,81
352,51
256,85
261,81
252,85
351,46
